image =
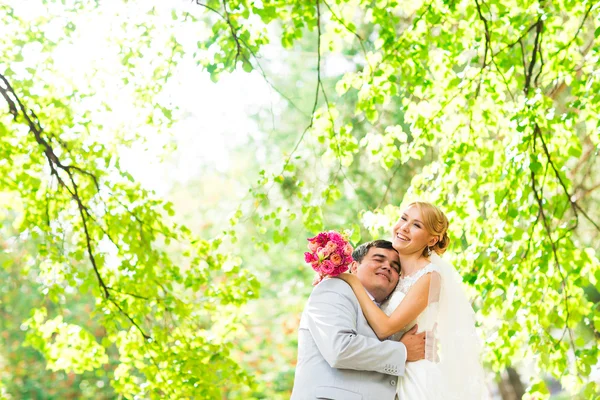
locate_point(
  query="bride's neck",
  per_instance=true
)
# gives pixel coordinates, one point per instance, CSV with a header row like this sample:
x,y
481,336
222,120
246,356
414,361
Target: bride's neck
x,y
410,263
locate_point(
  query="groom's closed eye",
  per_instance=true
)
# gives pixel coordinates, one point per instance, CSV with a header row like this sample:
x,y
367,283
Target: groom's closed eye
x,y
379,257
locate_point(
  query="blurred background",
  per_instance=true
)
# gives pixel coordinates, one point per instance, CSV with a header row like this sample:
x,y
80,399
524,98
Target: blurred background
x,y
266,145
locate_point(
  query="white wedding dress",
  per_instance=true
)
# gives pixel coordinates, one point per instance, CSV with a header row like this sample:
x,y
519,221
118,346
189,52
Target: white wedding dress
x,y
422,379
452,369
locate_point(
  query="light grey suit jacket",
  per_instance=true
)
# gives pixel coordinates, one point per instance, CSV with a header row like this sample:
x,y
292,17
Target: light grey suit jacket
x,y
339,355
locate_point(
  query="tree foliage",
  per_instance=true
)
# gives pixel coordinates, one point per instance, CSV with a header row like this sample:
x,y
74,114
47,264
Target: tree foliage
x,y
97,231
487,108
501,102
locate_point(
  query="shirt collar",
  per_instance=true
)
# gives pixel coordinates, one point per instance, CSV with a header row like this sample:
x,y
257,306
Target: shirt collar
x,y
373,298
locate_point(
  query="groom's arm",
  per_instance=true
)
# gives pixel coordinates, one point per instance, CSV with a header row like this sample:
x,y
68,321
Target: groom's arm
x,y
332,322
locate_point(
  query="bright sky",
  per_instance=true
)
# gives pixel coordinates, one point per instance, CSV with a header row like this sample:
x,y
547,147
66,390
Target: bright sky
x,y
217,119
216,116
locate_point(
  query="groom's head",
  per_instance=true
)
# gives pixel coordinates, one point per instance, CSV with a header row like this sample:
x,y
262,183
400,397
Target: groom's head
x,y
377,266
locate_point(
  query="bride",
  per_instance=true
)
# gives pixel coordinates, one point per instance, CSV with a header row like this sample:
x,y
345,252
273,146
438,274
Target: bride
x,y
429,294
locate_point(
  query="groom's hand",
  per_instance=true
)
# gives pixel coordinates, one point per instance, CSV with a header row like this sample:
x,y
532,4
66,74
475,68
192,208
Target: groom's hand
x,y
415,344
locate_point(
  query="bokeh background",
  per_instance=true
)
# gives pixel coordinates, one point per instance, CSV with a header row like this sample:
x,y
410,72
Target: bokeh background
x,y
163,163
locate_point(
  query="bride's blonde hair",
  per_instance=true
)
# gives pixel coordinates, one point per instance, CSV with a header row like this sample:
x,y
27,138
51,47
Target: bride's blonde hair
x,y
436,223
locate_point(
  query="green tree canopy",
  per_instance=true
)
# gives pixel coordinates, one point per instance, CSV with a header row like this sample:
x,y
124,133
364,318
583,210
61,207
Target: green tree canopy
x,y
489,109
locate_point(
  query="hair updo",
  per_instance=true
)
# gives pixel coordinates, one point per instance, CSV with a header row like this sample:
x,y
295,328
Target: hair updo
x,y
436,223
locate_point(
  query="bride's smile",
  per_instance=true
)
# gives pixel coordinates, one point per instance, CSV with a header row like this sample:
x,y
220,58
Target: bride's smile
x,y
402,237
409,235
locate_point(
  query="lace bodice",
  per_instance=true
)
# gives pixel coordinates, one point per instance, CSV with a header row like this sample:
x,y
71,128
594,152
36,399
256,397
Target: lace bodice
x,y
451,369
405,283
426,319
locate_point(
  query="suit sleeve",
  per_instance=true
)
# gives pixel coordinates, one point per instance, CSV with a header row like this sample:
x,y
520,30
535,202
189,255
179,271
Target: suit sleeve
x,y
332,321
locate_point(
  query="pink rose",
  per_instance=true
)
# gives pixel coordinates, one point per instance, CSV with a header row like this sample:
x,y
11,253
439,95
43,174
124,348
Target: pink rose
x,y
329,254
348,249
331,247
309,257
328,267
322,238
340,269
313,246
335,236
322,253
336,259
325,252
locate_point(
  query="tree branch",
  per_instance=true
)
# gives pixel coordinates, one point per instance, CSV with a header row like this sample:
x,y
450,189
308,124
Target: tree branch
x,y
55,166
239,40
233,32
566,46
360,39
314,108
488,35
548,230
570,198
488,45
389,184
529,73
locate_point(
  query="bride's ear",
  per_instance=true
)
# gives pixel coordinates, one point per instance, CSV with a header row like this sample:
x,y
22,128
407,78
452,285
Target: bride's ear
x,y
433,241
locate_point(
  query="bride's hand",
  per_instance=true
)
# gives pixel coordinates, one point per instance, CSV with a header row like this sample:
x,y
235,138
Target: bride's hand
x,y
350,279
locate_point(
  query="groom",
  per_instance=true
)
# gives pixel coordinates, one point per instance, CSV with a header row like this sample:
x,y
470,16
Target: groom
x,y
339,355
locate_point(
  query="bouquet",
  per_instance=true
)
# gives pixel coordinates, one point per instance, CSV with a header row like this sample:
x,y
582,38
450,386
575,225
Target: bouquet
x,y
330,254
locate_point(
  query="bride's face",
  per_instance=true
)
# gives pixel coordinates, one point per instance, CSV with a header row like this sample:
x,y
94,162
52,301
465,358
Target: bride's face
x,y
409,235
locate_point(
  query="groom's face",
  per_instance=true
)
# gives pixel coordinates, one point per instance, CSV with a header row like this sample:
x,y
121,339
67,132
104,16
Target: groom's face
x,y
378,272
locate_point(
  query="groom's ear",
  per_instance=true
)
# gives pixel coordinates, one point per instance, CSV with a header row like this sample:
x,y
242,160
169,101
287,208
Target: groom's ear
x,y
353,267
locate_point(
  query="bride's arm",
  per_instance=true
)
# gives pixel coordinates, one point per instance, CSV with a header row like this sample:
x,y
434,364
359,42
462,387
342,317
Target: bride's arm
x,y
407,311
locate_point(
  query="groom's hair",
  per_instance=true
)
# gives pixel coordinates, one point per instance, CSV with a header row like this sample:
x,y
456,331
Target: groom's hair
x,y
361,251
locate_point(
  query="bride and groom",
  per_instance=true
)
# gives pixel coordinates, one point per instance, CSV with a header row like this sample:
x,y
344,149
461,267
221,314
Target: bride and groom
x,y
402,291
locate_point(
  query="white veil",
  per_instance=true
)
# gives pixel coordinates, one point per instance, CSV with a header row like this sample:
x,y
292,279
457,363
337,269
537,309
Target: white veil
x,y
454,344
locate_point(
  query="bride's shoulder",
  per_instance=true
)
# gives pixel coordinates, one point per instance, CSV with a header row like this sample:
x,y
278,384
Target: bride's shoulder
x,y
432,268
426,271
